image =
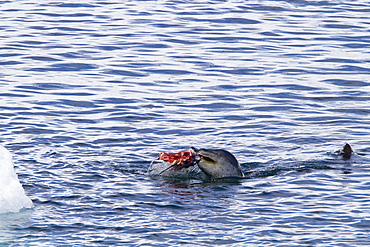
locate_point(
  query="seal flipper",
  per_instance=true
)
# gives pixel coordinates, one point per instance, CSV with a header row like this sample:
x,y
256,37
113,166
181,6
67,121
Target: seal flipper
x,y
347,151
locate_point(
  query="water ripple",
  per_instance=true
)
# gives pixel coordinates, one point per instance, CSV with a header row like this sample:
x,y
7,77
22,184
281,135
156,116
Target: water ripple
x,y
92,92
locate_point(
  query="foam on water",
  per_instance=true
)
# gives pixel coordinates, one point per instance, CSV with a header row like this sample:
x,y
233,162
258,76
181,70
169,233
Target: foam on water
x,y
12,196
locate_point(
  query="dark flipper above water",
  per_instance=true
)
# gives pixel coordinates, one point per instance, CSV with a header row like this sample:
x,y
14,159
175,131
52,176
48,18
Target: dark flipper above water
x,y
346,151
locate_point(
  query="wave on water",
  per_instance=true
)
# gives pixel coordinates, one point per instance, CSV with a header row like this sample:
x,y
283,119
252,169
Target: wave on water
x,y
12,196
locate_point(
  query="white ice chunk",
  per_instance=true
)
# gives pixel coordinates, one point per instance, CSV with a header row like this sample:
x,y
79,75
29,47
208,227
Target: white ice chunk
x,y
12,196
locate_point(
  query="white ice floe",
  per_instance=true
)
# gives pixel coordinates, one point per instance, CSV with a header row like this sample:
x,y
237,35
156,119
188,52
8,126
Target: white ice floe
x,y
12,196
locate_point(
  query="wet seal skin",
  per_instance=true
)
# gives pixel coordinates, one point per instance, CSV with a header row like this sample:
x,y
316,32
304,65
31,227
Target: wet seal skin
x,y
218,163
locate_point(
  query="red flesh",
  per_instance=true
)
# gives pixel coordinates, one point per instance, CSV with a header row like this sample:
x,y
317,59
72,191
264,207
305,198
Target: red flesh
x,y
183,158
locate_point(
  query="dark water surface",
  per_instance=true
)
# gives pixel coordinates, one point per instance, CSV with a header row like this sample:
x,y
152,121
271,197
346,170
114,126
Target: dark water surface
x,y
91,92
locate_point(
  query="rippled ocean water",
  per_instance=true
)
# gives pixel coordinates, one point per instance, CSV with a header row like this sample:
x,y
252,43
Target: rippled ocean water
x,y
91,92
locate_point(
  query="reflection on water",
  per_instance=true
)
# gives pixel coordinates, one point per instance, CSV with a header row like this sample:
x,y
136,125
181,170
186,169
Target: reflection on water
x,y
92,92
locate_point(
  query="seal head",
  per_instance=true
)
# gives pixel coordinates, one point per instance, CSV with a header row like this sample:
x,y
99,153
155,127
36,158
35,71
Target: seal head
x,y
218,163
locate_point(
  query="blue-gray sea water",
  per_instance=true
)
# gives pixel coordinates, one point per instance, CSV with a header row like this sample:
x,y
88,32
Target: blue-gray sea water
x,y
92,91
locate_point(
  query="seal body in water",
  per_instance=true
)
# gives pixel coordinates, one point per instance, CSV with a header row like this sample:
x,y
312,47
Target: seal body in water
x,y
214,163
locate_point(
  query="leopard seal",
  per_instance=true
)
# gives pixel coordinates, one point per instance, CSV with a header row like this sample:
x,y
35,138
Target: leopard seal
x,y
214,163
